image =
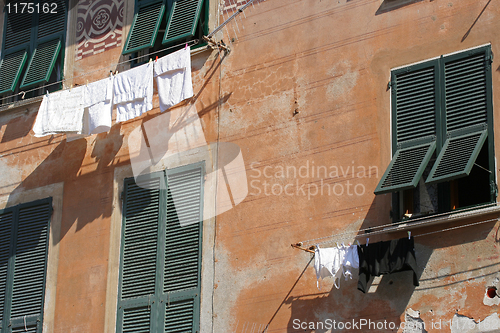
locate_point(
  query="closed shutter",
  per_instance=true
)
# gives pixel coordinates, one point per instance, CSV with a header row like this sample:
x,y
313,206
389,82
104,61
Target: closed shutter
x,y
138,269
466,115
42,63
54,21
30,266
6,222
183,249
182,20
145,26
414,109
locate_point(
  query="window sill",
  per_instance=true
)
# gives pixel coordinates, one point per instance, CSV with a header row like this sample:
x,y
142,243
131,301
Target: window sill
x,y
18,104
444,218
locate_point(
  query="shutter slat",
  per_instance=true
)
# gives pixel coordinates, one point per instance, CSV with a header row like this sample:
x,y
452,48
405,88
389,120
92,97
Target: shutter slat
x,y
144,27
42,63
136,320
18,27
182,20
52,23
30,261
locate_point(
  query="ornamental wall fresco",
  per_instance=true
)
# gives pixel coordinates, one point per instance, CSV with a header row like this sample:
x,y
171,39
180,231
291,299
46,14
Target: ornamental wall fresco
x,y
99,26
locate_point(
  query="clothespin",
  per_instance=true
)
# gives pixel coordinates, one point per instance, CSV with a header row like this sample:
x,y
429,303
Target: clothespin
x,y
150,59
409,234
47,93
367,241
87,83
357,241
185,47
110,73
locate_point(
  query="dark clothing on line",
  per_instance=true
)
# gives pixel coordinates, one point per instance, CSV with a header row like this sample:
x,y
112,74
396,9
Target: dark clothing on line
x,y
384,258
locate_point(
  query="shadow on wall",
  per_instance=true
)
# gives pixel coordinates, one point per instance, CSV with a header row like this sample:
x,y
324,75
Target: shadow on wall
x,y
389,5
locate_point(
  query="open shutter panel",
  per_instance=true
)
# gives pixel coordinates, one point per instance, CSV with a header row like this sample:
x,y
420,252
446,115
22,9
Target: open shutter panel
x,y
459,154
182,20
30,266
406,167
6,221
11,67
414,103
42,63
144,27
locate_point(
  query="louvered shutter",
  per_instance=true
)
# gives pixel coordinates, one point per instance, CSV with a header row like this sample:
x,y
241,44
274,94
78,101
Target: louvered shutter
x,y
139,260
145,26
6,222
182,20
466,115
414,110
183,249
17,39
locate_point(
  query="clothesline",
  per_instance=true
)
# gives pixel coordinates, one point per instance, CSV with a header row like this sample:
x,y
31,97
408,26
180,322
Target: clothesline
x,y
310,249
190,43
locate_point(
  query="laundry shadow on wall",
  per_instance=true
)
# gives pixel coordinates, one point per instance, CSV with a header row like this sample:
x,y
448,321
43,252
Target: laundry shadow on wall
x,y
87,186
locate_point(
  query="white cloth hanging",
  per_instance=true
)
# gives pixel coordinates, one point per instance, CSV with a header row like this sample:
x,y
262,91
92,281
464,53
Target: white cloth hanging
x,y
328,262
60,112
351,260
133,92
173,78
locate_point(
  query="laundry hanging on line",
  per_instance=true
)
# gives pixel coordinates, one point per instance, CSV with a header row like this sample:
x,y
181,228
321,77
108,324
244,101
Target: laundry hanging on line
x,y
131,92
335,261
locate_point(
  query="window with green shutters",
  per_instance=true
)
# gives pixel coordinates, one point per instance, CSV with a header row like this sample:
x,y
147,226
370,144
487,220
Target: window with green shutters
x,y
161,24
24,239
33,46
160,264
442,125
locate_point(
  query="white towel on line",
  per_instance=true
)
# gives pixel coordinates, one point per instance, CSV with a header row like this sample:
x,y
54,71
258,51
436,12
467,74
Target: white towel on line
x,y
173,78
98,109
133,92
60,112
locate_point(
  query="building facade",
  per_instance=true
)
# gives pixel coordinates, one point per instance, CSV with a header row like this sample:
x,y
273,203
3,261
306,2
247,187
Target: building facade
x,y
314,124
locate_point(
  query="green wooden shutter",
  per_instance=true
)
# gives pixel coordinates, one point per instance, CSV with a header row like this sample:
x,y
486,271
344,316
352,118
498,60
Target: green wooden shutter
x,y
144,27
183,248
50,24
466,115
6,222
11,67
18,27
30,266
139,259
42,63
414,104
182,20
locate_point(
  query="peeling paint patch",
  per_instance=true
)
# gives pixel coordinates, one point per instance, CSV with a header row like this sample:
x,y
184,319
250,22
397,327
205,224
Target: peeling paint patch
x,y
463,324
344,80
413,322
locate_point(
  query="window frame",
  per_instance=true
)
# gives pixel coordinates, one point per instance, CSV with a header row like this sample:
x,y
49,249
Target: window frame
x,y
441,130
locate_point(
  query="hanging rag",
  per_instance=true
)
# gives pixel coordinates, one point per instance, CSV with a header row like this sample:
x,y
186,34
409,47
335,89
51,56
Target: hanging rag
x,y
60,112
97,108
351,260
173,78
328,262
133,92
385,258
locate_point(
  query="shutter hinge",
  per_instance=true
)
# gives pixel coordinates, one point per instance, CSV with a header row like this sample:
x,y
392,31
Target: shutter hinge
x,y
489,58
122,195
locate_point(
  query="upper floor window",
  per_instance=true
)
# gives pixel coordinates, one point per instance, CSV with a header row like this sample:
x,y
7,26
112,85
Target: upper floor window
x,y
33,47
173,21
442,127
